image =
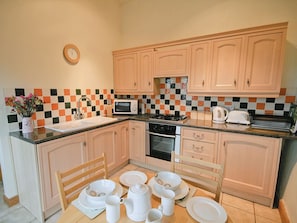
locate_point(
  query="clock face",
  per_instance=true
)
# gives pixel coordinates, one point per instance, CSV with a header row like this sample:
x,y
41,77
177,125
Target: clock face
x,y
71,53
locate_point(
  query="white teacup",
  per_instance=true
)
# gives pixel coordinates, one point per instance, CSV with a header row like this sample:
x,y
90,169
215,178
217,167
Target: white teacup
x,y
154,215
167,202
112,204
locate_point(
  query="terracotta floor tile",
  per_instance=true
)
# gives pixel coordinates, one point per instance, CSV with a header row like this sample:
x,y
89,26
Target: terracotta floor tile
x,y
260,219
267,212
239,203
236,215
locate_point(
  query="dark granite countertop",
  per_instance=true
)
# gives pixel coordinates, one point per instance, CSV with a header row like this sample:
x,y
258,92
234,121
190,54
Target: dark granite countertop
x,y
42,134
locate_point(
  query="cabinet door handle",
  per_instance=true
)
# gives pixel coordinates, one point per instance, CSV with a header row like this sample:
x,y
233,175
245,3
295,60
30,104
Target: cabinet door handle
x,y
203,83
149,83
134,84
234,83
248,82
84,143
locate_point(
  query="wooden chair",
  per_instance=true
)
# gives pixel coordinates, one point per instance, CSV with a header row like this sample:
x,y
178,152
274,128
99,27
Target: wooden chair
x,y
71,182
206,175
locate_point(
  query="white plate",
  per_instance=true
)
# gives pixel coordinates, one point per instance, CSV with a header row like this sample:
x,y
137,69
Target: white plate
x,y
206,210
97,205
180,192
130,178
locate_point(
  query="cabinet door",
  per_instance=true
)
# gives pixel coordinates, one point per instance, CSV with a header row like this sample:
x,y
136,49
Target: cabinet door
x,y
137,141
125,73
103,140
145,77
122,142
61,154
199,68
171,63
251,165
264,62
226,64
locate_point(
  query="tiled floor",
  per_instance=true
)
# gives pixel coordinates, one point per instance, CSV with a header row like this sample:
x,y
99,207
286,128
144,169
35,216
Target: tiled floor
x,y
238,210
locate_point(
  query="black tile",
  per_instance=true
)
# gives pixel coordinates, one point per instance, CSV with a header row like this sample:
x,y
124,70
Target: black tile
x,y
183,97
207,98
97,91
213,103
12,118
19,92
188,103
148,101
167,80
56,120
171,107
97,113
93,108
167,102
73,111
236,99
60,98
111,91
47,114
153,106
194,108
39,108
105,102
172,86
157,111
177,91
67,105
144,96
270,100
101,96
278,106
78,91
252,112
243,105
162,96
89,103
54,92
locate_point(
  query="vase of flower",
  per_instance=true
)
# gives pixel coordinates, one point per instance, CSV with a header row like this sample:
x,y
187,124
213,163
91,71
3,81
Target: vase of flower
x,y
27,124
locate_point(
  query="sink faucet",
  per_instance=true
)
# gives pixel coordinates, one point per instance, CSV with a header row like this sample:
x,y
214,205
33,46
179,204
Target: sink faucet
x,y
79,114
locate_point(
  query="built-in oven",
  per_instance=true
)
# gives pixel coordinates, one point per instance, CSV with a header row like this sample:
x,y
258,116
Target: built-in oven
x,y
161,140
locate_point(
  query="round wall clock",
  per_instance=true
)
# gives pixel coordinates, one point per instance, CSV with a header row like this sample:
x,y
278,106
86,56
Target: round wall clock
x,y
71,53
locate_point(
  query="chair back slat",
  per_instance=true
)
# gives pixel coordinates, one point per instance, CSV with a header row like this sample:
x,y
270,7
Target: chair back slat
x,y
72,181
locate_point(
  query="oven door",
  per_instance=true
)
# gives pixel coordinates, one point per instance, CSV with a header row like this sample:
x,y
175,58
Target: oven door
x,y
160,146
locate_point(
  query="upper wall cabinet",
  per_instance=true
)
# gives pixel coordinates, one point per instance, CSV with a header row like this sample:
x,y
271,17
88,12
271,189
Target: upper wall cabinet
x,y
171,63
133,73
246,62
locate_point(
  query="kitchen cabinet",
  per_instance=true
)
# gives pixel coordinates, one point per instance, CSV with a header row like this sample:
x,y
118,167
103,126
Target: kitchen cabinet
x,y
251,166
264,62
35,170
171,62
133,73
109,140
137,141
199,144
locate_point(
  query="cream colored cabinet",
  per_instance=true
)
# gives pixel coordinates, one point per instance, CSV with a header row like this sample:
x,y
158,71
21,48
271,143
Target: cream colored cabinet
x,y
200,144
125,73
112,140
137,141
133,73
251,166
264,62
171,62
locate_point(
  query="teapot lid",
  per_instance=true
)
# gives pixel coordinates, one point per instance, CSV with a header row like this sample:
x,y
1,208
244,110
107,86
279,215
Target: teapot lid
x,y
139,188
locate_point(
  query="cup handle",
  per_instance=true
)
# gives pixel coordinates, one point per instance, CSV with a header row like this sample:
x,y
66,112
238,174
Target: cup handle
x,y
160,207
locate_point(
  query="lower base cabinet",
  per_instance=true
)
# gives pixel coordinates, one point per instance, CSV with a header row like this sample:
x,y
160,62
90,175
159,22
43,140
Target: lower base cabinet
x,y
137,141
251,166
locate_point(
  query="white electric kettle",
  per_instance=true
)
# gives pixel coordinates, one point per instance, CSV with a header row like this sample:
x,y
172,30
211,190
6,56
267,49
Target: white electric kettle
x,y
219,114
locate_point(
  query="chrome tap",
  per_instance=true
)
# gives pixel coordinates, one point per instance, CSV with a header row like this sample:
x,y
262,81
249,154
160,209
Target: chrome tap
x,y
79,114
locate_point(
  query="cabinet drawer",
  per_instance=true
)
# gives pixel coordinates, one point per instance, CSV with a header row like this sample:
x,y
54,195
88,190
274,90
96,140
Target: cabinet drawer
x,y
197,134
198,147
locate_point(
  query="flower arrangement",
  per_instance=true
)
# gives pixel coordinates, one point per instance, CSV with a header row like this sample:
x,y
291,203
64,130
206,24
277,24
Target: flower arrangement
x,y
25,106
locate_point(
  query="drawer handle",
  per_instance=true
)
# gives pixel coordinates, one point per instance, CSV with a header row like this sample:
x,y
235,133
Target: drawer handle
x,y
198,149
198,136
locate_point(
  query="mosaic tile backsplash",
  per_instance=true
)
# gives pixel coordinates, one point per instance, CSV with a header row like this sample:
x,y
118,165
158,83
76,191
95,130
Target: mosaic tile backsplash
x,y
60,105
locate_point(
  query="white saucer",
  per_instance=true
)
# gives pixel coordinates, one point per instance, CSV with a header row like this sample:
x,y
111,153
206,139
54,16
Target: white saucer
x,y
97,205
206,210
130,178
180,192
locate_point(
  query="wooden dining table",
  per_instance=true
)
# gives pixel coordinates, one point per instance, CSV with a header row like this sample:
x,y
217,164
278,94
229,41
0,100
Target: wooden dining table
x,y
72,214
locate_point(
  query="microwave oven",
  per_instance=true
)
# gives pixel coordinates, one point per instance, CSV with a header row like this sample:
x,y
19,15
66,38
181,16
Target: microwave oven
x,y
125,107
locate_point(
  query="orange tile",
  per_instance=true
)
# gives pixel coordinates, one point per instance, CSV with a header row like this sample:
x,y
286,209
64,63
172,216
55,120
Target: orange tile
x,y
268,112
68,118
221,98
252,99
72,98
172,96
228,103
108,96
104,91
200,103
40,122
97,102
178,79
162,86
207,109
88,91
283,91
153,96
66,91
157,101
34,116
62,112
166,112
46,99
89,114
55,106
93,97
101,107
177,102
162,107
260,106
38,92
183,108
194,98
290,99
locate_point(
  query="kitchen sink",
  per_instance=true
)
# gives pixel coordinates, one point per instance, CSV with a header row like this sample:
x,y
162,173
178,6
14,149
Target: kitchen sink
x,y
81,124
269,122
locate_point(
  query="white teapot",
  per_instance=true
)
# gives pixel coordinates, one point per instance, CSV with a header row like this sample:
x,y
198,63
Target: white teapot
x,y
138,202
